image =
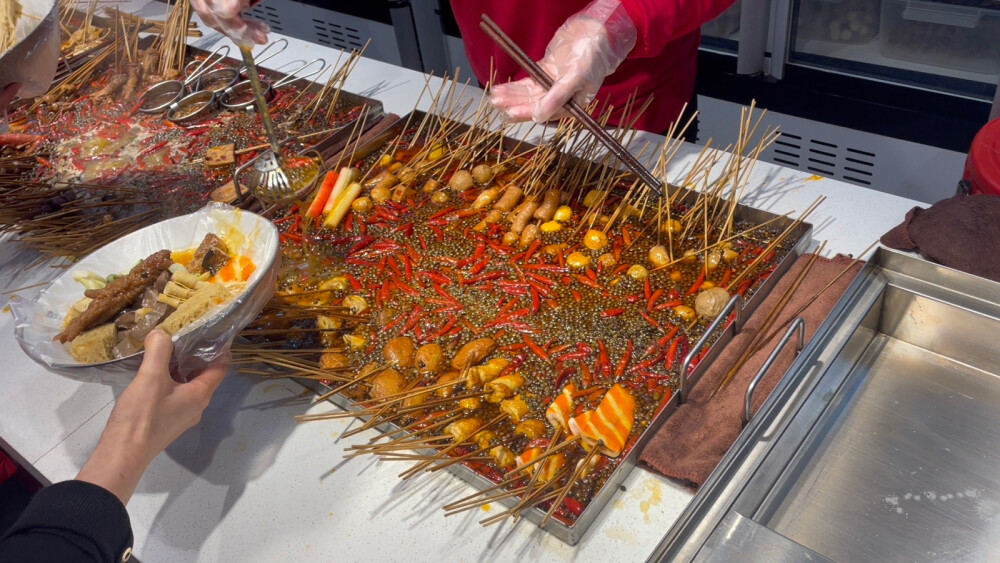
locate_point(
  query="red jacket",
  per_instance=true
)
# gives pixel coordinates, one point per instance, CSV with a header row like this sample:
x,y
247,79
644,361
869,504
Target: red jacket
x,y
662,64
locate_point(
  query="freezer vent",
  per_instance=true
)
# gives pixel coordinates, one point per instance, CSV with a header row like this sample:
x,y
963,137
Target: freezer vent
x,y
823,157
336,35
267,14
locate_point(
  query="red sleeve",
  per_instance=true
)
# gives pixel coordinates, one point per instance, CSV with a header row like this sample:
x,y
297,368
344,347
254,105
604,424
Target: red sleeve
x,y
660,21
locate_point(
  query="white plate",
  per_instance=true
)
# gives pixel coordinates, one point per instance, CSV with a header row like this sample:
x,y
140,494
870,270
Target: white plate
x,y
38,321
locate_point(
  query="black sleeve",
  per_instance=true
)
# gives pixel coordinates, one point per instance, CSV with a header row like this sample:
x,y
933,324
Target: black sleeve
x,y
70,521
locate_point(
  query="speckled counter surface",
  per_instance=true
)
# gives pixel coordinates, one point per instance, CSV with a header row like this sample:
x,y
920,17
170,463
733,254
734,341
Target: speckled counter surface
x,y
248,484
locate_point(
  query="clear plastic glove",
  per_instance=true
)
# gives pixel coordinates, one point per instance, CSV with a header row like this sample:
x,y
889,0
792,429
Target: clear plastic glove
x,y
152,412
225,16
585,50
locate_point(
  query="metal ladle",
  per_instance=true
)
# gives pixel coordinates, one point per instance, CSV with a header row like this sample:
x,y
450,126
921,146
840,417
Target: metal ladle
x,y
270,183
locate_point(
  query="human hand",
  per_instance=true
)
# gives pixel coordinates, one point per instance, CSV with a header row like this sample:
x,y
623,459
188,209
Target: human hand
x,y
152,412
582,53
225,17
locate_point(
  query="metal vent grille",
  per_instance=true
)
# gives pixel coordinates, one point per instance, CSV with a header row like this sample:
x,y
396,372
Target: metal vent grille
x,y
267,14
337,35
823,157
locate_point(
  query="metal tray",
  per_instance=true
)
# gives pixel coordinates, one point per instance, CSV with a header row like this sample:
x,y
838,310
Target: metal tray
x,y
572,534
881,442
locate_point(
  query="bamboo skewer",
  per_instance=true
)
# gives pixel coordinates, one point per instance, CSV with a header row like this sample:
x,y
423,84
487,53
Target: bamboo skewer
x,y
766,325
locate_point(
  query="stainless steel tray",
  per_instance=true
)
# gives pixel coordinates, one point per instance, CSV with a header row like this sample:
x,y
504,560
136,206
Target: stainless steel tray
x,y
882,442
571,534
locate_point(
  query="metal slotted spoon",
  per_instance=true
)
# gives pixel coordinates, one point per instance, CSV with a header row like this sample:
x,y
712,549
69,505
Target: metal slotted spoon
x,y
270,181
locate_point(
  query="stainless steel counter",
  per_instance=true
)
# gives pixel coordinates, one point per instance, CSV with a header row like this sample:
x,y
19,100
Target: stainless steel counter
x,y
881,444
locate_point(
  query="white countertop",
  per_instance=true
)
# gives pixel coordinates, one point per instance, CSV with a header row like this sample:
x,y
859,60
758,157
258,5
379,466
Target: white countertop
x,y
248,484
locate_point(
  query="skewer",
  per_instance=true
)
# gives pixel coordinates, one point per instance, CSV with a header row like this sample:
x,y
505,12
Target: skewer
x,y
421,466
572,481
766,325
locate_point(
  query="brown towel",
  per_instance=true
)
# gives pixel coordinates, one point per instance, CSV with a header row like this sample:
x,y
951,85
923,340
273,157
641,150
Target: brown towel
x,y
961,232
694,439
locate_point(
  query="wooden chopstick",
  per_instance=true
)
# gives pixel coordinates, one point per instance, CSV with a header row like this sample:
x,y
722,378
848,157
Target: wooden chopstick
x,y
576,110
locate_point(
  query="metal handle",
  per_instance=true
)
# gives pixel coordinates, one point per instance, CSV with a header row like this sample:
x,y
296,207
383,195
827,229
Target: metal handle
x,y
293,75
797,325
222,51
738,322
261,59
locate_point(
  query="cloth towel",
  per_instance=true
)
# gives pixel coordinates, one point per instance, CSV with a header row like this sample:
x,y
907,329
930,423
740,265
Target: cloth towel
x,y
693,441
961,232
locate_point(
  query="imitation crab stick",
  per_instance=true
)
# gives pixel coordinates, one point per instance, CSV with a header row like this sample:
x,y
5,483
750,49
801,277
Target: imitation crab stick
x,y
561,409
609,425
549,468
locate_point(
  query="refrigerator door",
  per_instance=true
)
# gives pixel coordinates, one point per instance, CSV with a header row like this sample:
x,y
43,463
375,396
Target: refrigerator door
x,y
951,47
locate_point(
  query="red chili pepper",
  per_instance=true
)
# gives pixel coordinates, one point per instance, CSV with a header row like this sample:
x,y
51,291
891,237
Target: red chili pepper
x,y
604,359
607,313
408,267
645,364
413,319
546,268
647,289
673,295
563,377
650,320
623,363
535,245
586,379
697,284
536,302
437,232
480,266
744,286
576,295
435,277
667,305
355,284
671,355
587,281
591,274
404,287
542,279
653,299
394,266
620,269
726,276
349,222
441,291
536,349
395,322
381,266
423,241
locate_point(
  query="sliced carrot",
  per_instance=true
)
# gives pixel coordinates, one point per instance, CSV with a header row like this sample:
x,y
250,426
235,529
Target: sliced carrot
x,y
325,189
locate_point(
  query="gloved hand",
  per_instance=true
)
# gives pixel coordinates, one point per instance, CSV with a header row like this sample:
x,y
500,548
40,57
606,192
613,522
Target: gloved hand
x,y
225,17
585,50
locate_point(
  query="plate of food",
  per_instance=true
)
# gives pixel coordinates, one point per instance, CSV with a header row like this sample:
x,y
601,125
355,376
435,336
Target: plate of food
x,y
200,277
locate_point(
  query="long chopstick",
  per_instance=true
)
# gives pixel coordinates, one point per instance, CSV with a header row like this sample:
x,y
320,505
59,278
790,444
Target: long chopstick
x,y
576,110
